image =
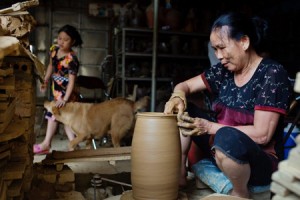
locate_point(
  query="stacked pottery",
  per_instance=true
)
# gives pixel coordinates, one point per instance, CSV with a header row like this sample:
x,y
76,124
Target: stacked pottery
x,y
155,157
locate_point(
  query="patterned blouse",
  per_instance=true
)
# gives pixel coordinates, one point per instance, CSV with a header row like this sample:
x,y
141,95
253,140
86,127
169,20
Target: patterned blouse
x,y
269,89
63,66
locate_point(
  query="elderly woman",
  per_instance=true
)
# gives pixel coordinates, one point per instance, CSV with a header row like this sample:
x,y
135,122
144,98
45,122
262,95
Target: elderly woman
x,y
251,96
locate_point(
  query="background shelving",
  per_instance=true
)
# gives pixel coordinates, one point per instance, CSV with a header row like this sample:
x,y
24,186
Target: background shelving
x,y
180,55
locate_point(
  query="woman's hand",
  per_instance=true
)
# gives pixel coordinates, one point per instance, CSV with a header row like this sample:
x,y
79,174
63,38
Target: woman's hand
x,y
189,126
176,103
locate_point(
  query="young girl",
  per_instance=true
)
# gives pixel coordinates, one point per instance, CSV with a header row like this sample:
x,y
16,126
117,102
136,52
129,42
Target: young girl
x,y
62,71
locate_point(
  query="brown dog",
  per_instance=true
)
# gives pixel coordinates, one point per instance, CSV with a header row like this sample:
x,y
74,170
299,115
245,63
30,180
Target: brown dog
x,y
94,120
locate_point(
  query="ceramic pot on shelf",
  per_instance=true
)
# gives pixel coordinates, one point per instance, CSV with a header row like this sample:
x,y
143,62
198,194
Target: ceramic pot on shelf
x,y
155,157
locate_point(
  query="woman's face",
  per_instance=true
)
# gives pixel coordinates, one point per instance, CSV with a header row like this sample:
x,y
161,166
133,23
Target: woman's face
x,y
64,41
230,52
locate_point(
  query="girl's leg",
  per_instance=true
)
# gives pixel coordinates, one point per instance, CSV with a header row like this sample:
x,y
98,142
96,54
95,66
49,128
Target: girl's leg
x,y
69,132
51,129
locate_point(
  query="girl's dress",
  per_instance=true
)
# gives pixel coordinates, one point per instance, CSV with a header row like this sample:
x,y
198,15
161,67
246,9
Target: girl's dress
x,y
63,66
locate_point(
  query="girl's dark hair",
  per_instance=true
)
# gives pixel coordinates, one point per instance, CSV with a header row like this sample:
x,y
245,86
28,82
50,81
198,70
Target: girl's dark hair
x,y
240,25
73,33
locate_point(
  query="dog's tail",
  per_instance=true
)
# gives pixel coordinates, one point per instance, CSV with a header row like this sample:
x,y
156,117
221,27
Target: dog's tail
x,y
141,104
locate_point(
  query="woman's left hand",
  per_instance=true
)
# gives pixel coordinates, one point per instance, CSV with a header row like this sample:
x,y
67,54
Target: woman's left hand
x,y
192,126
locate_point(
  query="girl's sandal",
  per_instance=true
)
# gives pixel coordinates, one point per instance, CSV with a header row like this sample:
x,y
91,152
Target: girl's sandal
x,y
37,149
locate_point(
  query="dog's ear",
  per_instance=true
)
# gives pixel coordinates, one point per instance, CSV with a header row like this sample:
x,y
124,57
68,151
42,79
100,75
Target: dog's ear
x,y
55,110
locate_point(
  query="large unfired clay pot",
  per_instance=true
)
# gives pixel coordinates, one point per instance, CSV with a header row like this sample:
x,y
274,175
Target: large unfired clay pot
x,y
155,157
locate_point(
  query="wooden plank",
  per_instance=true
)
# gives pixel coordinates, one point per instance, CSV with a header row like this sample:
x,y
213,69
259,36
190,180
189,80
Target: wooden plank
x,y
24,81
19,6
24,109
14,170
24,96
8,45
287,175
3,163
216,196
48,161
6,71
27,179
294,163
4,104
70,195
91,152
4,97
288,197
3,191
295,152
298,139
14,189
15,129
8,84
7,116
279,189
5,146
4,154
284,165
293,186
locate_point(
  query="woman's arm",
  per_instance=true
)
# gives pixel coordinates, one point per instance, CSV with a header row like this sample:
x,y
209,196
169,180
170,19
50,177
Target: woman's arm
x,y
265,123
191,85
261,132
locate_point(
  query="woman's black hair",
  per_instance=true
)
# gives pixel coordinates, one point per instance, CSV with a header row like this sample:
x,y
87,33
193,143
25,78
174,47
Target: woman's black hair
x,y
240,25
73,33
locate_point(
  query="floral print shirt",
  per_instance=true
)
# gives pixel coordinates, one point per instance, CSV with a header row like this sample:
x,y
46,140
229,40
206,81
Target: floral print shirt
x,y
269,89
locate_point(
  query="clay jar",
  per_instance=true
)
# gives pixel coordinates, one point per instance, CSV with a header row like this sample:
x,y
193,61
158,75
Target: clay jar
x,y
155,157
173,19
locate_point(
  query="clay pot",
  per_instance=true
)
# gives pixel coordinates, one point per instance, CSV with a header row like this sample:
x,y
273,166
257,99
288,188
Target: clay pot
x,y
150,16
173,19
155,157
